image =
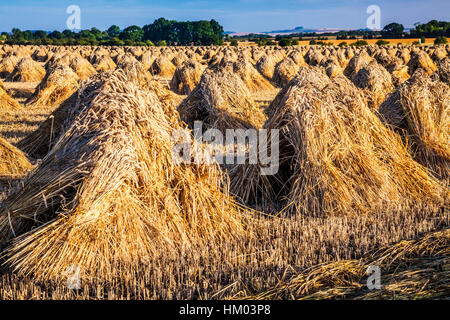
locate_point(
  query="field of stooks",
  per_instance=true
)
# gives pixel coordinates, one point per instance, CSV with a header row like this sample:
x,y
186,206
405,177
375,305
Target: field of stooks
x,y
90,190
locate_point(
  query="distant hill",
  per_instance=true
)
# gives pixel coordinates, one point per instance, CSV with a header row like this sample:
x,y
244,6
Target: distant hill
x,y
289,31
295,30
303,30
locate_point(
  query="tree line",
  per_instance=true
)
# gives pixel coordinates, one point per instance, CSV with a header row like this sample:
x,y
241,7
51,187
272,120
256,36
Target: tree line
x,y
161,32
432,29
171,32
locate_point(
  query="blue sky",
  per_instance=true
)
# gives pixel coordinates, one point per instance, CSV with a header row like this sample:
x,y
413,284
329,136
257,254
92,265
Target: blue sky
x,y
234,15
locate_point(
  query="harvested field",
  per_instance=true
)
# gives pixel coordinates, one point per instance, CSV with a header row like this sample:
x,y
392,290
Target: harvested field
x,y
421,107
91,147
376,81
327,155
59,83
13,163
27,70
413,269
89,183
186,77
221,100
7,102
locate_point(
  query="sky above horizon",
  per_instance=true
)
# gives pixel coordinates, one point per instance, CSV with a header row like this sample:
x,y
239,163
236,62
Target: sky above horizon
x,y
234,15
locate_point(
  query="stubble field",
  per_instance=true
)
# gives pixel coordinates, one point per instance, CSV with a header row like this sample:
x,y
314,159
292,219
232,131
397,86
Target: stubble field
x,y
93,205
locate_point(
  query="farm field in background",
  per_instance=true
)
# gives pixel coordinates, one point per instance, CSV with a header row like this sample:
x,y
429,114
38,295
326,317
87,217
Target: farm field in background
x,y
94,206
334,41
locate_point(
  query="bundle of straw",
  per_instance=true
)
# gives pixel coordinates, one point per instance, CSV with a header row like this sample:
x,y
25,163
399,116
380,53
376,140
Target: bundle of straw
x,y
13,162
61,58
254,81
314,57
444,70
284,72
162,67
147,59
404,54
266,66
420,59
332,67
82,67
421,106
412,269
108,197
336,157
376,83
59,83
186,77
6,101
439,54
8,64
180,59
40,54
38,143
221,100
298,58
102,63
356,63
27,70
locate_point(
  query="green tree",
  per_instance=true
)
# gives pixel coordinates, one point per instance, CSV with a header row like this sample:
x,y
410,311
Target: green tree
x,y
161,31
68,34
97,33
360,43
113,31
185,33
40,34
382,42
204,34
234,43
431,29
393,30
27,35
261,42
55,35
133,33
86,36
285,42
218,31
157,30
116,42
16,33
440,40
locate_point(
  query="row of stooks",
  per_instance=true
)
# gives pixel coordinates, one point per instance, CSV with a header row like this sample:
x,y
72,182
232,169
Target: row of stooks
x,y
263,68
107,197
